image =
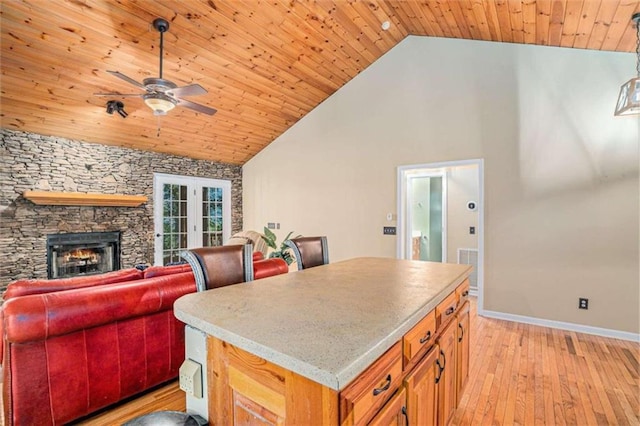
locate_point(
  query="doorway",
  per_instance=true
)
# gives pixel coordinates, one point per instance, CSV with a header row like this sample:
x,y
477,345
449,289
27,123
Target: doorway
x,y
189,212
445,197
426,230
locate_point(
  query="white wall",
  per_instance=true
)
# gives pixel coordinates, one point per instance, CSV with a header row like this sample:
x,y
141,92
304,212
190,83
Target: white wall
x,y
462,187
561,173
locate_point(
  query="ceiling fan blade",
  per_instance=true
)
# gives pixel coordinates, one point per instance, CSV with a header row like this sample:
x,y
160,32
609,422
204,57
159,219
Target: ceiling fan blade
x,y
190,90
196,107
123,95
127,79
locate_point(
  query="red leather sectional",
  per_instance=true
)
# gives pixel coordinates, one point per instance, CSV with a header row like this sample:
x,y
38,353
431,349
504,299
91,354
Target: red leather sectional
x,y
74,346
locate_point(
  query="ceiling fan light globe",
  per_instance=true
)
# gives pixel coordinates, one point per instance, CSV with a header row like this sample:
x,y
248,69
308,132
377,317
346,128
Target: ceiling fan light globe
x,y
159,104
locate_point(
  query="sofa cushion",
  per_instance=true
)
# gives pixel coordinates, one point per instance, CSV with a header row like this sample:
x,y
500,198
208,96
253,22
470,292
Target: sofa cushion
x,y
26,287
156,271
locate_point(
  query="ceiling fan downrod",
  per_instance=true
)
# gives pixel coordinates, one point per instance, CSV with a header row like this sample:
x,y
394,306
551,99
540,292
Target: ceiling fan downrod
x,y
162,26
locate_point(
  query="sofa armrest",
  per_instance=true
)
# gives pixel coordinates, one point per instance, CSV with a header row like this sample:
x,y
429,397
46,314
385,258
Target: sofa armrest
x,y
269,267
40,316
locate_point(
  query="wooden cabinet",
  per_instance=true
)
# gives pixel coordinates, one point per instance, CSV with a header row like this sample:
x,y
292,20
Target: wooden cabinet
x,y
417,382
446,362
462,292
360,401
446,310
394,413
421,387
436,361
252,391
420,338
462,350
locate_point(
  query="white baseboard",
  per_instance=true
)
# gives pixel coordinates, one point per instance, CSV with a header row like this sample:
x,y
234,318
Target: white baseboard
x,y
605,332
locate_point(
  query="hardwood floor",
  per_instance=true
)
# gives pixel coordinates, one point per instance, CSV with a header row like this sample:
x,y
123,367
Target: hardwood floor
x,y
167,397
520,374
529,375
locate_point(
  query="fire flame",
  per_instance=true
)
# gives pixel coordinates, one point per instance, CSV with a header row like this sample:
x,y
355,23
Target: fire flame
x,y
88,255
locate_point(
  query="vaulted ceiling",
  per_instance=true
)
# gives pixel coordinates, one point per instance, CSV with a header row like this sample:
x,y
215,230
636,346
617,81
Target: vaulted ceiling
x,y
265,64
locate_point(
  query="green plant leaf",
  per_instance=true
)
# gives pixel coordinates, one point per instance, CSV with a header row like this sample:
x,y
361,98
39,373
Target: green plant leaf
x,y
284,252
270,238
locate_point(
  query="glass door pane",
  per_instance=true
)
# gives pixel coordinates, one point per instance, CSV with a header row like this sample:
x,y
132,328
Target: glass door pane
x,y
212,217
174,222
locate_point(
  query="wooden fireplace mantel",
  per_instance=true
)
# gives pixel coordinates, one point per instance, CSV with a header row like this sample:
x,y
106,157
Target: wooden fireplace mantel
x,y
53,198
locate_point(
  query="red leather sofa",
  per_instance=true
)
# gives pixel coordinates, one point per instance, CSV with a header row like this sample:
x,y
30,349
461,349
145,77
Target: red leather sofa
x,y
74,346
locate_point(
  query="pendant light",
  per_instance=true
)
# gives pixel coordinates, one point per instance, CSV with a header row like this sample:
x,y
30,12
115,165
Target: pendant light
x,y
629,97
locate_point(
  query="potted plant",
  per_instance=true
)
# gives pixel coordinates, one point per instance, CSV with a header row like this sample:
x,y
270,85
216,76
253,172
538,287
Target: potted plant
x,y
281,251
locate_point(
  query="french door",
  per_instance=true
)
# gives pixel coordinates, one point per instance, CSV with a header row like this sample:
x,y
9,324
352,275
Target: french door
x,y
189,212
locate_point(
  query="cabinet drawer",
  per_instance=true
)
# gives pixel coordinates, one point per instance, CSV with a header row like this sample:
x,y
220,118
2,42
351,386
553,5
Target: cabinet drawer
x,y
446,309
419,338
368,392
463,292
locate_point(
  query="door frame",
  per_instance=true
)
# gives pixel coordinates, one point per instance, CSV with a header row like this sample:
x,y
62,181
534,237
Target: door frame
x,y
401,188
194,186
408,214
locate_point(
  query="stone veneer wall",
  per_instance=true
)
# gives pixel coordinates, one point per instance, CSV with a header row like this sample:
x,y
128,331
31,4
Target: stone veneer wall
x,y
29,161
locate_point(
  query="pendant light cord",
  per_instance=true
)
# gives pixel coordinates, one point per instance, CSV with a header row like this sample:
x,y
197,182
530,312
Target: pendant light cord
x,y
162,48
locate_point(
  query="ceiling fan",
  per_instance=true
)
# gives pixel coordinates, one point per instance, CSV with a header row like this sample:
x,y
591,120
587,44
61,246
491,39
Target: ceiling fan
x,y
163,95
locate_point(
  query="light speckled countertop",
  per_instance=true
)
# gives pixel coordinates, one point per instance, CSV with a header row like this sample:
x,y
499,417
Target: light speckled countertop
x,y
327,323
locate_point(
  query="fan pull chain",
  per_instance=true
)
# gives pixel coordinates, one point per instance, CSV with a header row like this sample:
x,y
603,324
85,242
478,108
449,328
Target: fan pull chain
x,y
158,134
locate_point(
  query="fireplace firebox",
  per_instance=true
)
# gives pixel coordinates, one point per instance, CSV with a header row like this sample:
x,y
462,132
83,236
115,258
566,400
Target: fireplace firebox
x,y
85,253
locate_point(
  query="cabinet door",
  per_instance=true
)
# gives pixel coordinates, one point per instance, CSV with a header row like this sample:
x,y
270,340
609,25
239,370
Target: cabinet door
x,y
447,365
462,350
422,390
245,389
394,412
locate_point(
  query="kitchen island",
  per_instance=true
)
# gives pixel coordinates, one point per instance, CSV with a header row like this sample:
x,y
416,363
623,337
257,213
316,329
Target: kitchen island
x,y
292,348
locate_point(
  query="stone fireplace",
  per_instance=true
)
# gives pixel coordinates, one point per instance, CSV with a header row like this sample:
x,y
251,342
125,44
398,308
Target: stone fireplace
x,y
84,253
36,162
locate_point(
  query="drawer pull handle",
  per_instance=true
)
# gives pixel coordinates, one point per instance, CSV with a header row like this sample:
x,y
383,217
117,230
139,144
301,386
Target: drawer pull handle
x,y
378,391
450,310
406,416
465,293
426,337
461,332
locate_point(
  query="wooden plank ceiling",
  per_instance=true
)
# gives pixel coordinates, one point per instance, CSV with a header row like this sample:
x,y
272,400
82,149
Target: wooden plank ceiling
x,y
265,64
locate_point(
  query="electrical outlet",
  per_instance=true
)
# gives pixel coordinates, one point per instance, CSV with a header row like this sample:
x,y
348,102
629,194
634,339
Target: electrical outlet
x,y
191,378
583,303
